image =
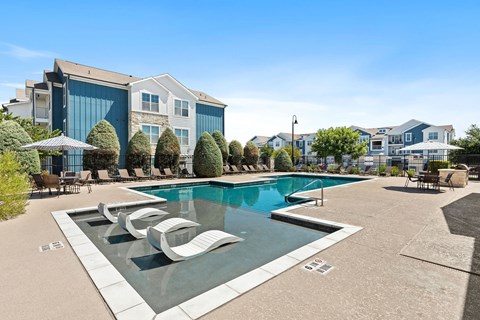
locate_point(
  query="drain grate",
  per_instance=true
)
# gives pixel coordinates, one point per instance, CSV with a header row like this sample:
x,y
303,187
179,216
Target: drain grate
x,y
51,246
318,265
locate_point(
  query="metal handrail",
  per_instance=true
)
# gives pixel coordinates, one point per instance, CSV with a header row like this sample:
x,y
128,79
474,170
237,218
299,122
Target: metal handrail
x,y
308,184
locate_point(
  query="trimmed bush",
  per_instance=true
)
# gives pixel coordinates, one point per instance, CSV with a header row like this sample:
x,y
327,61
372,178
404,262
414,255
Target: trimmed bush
x,y
283,161
236,153
434,165
12,137
222,144
395,171
167,153
104,137
138,153
207,158
251,153
14,186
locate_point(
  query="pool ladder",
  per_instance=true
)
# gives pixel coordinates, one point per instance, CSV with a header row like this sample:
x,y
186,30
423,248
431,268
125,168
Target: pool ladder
x,y
309,197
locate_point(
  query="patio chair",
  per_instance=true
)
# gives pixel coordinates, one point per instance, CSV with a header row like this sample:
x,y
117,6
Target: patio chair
x,y
235,170
52,181
266,168
168,173
124,176
169,225
140,174
124,220
227,170
335,169
37,184
346,170
410,178
103,176
246,169
187,174
156,174
201,244
85,180
252,168
447,182
259,168
428,180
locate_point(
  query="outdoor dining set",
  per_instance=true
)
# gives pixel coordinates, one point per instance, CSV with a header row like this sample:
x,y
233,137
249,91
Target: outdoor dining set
x,y
428,180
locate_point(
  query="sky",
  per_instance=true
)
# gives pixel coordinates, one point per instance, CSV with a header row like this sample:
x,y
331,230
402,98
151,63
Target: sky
x,y
330,63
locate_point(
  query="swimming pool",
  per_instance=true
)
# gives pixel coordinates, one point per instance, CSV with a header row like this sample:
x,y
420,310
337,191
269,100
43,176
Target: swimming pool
x,y
242,211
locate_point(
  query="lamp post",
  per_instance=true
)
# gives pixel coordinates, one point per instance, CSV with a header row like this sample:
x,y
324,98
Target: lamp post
x,y
294,122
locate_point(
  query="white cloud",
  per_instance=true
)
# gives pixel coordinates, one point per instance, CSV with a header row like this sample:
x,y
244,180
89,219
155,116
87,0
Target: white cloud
x,y
22,53
12,85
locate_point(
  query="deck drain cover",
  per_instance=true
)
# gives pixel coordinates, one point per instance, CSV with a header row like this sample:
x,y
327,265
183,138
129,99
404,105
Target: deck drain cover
x,y
51,246
318,265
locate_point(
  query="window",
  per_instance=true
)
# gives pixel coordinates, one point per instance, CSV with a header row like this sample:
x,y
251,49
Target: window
x,y
152,132
181,108
377,145
382,130
64,95
300,144
434,151
364,138
408,137
309,142
150,102
433,136
182,135
277,143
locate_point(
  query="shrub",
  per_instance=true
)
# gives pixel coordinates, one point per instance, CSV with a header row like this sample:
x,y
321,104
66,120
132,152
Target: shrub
x,y
222,144
395,171
104,137
382,168
236,153
251,153
14,186
12,137
138,153
167,153
434,165
355,170
283,161
207,158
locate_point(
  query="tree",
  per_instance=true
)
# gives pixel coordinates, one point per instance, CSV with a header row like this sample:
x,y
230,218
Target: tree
x,y
251,153
297,154
282,161
471,142
138,152
266,152
36,132
222,144
167,153
104,137
207,158
338,142
236,152
14,186
12,137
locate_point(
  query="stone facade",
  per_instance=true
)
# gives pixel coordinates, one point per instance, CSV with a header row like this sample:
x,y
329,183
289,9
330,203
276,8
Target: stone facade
x,y
135,119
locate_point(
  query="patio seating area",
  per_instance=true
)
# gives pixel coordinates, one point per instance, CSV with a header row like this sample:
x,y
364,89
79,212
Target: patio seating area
x,y
403,264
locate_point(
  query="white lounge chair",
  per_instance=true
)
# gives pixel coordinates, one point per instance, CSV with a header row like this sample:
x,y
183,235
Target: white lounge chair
x,y
125,220
169,225
201,244
141,213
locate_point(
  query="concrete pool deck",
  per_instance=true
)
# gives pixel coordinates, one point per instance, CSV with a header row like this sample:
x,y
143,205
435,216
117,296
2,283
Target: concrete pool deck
x,y
382,271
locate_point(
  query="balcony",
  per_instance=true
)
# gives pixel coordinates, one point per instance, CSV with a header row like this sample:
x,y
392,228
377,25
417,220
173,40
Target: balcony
x,y
395,141
41,114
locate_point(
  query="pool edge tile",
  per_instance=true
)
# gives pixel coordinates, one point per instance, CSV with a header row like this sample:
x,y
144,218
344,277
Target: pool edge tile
x,y
121,296
141,311
249,280
175,313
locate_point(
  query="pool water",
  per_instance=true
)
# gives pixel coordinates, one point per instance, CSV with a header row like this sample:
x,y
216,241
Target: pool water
x,y
241,211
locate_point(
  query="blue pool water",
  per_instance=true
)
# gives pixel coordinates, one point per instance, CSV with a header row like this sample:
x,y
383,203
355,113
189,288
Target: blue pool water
x,y
262,198
241,211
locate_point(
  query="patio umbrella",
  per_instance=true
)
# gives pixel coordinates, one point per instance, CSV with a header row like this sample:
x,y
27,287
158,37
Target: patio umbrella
x,y
60,143
430,145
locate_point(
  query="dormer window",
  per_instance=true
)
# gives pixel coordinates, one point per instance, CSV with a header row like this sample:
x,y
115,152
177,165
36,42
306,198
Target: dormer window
x,y
382,130
433,136
150,102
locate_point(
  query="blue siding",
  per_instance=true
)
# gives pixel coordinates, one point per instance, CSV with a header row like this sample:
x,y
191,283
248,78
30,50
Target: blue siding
x,y
90,103
209,119
417,135
57,105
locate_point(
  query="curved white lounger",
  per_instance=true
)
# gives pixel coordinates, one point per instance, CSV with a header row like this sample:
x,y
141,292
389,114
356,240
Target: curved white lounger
x,y
201,244
125,220
102,208
169,225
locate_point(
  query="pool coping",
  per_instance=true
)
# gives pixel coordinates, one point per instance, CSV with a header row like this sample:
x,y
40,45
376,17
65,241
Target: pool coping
x,y
124,301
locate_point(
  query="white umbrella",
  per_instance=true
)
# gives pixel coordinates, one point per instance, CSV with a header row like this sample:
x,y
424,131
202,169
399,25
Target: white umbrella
x,y
430,145
60,143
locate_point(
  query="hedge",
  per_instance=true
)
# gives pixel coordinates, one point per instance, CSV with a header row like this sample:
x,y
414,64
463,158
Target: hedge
x,y
167,153
104,137
207,158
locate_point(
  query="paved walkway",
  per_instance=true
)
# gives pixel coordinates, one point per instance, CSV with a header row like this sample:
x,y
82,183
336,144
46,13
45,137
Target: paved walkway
x,y
381,272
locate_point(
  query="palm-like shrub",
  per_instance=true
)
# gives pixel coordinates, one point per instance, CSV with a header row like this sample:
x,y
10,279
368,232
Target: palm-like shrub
x,y
138,153
251,153
167,153
12,137
14,186
236,152
104,137
283,161
222,144
207,158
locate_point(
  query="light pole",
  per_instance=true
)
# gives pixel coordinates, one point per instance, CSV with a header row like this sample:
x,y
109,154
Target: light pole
x,y
294,122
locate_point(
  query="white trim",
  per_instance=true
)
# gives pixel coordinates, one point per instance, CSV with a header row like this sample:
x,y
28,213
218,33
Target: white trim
x,y
149,78
58,85
178,83
143,91
15,103
408,137
183,128
99,82
151,125
188,109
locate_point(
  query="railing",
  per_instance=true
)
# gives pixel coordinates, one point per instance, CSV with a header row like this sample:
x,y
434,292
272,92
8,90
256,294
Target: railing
x,y
309,197
41,113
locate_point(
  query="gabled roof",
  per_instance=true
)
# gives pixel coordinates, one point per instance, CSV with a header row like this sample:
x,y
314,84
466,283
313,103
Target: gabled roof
x,y
447,127
150,79
261,139
36,85
202,96
88,72
178,83
52,76
406,126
